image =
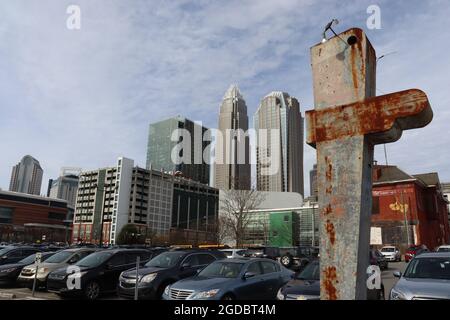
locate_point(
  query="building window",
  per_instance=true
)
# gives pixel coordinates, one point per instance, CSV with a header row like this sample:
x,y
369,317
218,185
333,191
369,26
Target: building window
x,y
376,205
6,215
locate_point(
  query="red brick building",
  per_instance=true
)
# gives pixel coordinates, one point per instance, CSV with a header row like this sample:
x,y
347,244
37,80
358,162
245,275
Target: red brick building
x,y
401,200
29,218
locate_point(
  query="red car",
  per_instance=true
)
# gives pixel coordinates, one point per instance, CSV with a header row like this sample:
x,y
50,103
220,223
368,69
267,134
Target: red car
x,y
414,250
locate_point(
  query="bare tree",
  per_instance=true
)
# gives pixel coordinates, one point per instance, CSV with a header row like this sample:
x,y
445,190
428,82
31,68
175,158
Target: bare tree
x,y
234,213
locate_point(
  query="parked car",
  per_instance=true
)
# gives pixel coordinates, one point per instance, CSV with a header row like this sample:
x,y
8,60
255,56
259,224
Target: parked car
x,y
14,254
234,253
377,259
10,272
306,286
391,253
232,279
60,259
298,257
415,250
99,272
444,248
163,270
427,277
262,252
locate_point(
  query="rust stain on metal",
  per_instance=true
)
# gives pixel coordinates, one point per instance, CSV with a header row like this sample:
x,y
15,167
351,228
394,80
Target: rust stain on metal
x,y
329,227
327,210
329,168
405,110
329,281
329,189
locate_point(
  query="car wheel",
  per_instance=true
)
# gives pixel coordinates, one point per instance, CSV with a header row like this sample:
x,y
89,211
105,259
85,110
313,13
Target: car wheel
x,y
381,294
92,291
286,261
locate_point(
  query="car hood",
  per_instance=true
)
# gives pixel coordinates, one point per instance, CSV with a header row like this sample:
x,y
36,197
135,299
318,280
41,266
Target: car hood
x,y
302,287
198,283
12,265
431,288
48,265
143,271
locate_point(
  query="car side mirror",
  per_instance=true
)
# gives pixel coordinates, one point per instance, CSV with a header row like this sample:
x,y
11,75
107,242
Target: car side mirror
x,y
248,275
4,257
397,274
185,265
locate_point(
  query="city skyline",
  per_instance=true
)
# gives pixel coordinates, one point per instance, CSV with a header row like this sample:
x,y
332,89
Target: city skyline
x,y
68,102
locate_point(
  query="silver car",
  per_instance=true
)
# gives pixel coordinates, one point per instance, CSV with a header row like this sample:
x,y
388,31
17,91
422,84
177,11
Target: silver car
x,y
427,277
60,259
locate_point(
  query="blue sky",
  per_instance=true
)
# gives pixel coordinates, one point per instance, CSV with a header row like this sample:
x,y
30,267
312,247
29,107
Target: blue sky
x,y
83,98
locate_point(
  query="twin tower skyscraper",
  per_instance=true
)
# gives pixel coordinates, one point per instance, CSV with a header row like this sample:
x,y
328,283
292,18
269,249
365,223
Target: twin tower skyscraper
x,y
279,116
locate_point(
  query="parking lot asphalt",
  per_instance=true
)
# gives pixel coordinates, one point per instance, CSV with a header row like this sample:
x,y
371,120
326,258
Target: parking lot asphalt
x,y
26,294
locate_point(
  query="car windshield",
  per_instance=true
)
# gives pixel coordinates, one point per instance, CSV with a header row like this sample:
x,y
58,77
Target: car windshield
x,y
429,268
59,257
444,249
222,270
4,251
94,260
29,259
165,260
387,249
413,248
311,272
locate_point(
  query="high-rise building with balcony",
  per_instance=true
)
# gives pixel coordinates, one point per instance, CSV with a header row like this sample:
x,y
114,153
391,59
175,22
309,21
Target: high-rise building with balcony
x,y
26,176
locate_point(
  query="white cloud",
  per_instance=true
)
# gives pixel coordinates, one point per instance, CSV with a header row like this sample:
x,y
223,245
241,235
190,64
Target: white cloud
x,y
82,98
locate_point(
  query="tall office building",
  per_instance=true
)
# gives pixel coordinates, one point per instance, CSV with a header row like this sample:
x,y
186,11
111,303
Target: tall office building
x,y
280,115
65,186
26,176
313,189
160,148
153,201
232,168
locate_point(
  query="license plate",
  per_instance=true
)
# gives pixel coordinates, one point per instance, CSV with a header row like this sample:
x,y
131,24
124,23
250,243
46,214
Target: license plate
x,y
301,298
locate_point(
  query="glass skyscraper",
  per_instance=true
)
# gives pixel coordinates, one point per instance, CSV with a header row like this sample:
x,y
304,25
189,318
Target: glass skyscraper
x,y
160,148
279,114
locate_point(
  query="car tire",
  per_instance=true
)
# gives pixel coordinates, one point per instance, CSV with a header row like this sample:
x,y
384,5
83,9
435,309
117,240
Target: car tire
x,y
286,261
381,295
92,290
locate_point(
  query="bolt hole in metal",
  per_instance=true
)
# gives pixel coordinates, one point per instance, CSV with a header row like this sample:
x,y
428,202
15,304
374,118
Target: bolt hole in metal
x,y
352,40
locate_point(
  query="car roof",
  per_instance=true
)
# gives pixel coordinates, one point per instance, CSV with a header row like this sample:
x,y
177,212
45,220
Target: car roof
x,y
444,246
245,260
433,255
78,249
116,250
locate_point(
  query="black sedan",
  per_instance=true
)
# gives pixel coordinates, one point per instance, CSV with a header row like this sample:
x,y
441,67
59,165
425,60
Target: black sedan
x,y
240,279
10,272
95,274
14,254
165,269
306,286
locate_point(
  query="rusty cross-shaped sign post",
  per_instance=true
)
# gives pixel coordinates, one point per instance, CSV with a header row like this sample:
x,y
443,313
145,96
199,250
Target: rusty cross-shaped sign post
x,y
348,120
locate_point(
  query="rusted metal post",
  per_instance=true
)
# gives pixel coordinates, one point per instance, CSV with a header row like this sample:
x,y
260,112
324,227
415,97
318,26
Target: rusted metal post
x,y
348,120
